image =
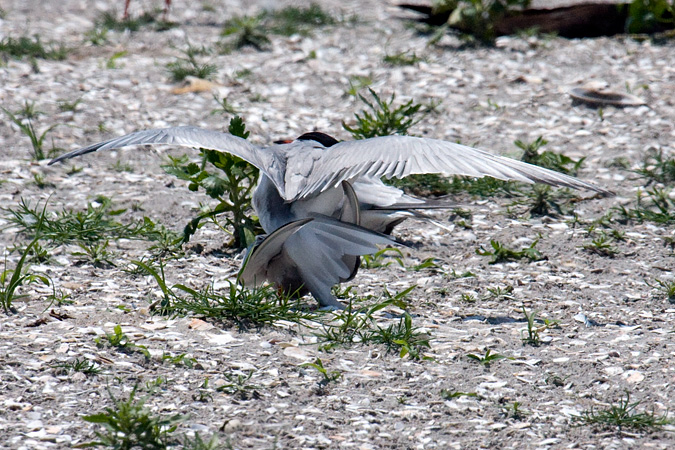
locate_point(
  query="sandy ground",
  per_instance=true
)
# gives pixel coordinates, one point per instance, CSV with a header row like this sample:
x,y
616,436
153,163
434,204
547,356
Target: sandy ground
x,y
615,328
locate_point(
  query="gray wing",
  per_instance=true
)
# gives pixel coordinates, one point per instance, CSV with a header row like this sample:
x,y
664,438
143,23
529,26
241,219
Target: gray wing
x,y
187,137
400,156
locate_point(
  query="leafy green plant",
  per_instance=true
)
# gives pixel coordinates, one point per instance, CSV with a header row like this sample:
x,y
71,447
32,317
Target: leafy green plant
x,y
624,416
130,424
95,253
93,225
514,411
13,279
657,167
83,365
246,308
232,189
356,83
488,358
402,59
189,66
360,325
477,17
24,120
449,395
32,48
665,288
246,31
112,61
656,206
108,20
646,16
501,253
543,200
292,20
601,245
379,258
119,340
383,119
328,377
179,360
254,31
402,336
547,159
531,336
239,385
68,106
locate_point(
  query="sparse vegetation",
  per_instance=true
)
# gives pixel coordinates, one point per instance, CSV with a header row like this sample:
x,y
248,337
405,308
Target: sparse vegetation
x,y
647,16
238,385
530,336
657,167
130,424
501,253
83,365
665,288
96,224
488,358
149,19
32,48
12,279
476,17
232,188
547,159
328,377
383,119
119,340
402,59
189,66
24,119
254,31
653,205
624,416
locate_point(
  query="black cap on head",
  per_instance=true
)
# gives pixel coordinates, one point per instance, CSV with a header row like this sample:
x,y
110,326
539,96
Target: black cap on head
x,y
321,138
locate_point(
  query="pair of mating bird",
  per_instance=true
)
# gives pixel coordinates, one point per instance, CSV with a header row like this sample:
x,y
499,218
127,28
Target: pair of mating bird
x,y
322,202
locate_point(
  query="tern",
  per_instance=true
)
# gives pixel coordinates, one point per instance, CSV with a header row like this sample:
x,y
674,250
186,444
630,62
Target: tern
x,y
322,203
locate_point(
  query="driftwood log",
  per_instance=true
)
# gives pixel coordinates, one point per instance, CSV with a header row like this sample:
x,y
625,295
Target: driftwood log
x,y
571,19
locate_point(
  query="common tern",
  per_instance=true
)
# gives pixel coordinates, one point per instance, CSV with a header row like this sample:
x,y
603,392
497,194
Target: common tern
x,y
322,203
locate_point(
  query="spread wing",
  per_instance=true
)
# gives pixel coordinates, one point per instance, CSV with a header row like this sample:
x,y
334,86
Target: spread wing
x,y
191,137
400,156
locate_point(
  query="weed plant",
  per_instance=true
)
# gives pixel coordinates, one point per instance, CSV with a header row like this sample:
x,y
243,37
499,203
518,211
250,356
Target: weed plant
x,y
653,205
130,424
547,159
189,66
656,167
624,416
501,253
96,224
254,31
328,377
83,365
232,187
478,18
488,358
382,118
238,385
33,48
24,119
149,19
